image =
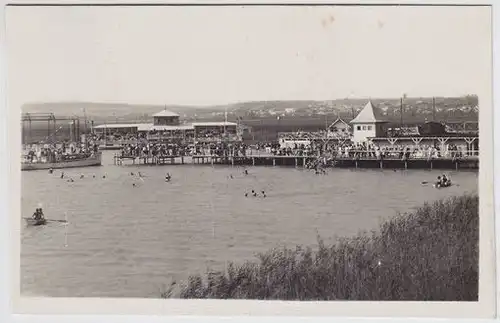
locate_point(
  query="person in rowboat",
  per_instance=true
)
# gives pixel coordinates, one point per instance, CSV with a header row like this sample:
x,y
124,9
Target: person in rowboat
x,y
445,181
438,182
38,215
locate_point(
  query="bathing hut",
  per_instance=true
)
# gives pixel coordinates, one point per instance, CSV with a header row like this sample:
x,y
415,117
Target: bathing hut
x,y
367,124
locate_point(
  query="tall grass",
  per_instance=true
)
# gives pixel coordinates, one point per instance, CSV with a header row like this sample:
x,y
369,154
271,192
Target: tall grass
x,y
430,254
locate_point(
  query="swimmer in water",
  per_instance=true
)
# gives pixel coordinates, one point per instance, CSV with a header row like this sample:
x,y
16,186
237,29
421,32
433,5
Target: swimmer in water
x,y
51,171
131,173
263,193
254,193
245,172
139,173
81,176
246,194
62,174
93,176
103,176
231,176
133,184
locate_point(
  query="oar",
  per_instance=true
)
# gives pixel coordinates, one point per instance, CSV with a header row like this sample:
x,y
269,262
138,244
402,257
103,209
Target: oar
x,y
66,230
54,220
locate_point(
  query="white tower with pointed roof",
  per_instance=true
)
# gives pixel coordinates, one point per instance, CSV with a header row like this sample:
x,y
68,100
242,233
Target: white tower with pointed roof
x,y
367,124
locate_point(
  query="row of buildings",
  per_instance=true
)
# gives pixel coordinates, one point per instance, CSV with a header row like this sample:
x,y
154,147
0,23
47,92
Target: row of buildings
x,y
369,127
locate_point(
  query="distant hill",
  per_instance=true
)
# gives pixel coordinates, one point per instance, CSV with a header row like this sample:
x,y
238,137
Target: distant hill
x,y
415,109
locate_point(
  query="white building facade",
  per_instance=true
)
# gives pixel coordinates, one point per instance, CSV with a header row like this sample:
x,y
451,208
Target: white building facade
x,y
367,124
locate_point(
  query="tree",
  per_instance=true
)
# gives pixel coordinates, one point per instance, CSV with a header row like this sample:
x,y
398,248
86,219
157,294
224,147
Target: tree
x,y
471,100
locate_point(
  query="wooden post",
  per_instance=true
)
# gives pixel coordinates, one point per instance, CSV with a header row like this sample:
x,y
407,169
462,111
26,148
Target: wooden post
x,y
406,164
356,161
381,165
456,164
274,161
296,162
431,164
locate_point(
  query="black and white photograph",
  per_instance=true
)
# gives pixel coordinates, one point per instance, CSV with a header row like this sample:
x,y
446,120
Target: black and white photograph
x,y
252,152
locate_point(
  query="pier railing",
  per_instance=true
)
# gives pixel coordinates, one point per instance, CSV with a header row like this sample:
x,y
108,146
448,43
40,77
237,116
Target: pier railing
x,y
350,154
370,154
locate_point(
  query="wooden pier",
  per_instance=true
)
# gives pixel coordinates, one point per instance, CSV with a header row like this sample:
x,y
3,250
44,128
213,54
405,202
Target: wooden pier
x,y
470,162
149,160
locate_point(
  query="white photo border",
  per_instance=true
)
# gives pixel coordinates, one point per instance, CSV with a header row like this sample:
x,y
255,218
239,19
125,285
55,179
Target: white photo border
x,y
78,310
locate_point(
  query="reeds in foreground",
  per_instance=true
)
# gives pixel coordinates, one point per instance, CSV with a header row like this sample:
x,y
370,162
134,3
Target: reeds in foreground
x,y
430,254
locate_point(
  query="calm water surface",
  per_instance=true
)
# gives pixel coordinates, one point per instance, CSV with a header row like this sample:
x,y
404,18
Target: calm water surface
x,y
125,241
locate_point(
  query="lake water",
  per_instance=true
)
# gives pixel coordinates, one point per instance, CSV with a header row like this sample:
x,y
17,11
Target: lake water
x,y
126,241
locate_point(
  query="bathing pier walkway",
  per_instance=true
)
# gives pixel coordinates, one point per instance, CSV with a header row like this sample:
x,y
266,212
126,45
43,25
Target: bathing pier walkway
x,y
454,163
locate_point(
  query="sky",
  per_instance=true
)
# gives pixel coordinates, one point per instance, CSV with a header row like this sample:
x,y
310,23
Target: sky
x,y
217,55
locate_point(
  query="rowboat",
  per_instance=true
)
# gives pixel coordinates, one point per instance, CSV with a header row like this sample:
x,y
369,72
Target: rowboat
x,y
443,186
33,222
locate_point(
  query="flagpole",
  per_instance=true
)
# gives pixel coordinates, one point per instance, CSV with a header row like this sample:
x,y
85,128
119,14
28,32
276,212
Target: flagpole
x,y
225,120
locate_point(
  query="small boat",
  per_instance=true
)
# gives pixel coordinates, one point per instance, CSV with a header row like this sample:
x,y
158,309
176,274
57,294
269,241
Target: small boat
x,y
442,186
33,222
70,162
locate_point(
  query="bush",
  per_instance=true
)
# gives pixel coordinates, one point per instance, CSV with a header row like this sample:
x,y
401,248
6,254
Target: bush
x,y
430,254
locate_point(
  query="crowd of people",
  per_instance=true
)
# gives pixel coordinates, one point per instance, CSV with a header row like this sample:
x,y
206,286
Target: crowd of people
x,y
161,149
53,153
290,144
362,150
315,148
171,135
